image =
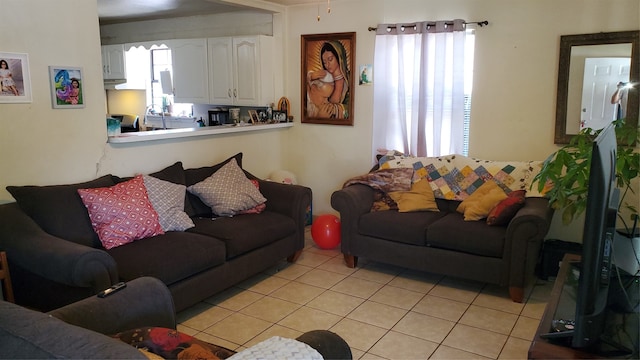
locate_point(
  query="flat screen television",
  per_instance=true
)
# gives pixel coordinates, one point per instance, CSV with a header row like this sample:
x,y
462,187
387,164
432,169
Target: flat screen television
x,y
599,231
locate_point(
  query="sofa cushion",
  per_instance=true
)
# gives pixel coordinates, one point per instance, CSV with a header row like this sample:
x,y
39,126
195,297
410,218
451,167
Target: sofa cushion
x,y
452,232
408,228
59,210
194,206
172,173
188,253
167,199
244,233
121,213
228,191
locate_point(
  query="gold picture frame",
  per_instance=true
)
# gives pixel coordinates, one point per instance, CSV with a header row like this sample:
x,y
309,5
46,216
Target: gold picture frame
x,y
327,79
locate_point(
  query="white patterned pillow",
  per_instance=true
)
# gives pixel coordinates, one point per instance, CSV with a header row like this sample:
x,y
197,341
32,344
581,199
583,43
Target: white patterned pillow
x,y
167,199
228,191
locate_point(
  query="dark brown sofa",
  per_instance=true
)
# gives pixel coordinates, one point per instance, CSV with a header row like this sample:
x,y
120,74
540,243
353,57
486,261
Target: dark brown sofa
x,y
443,242
56,258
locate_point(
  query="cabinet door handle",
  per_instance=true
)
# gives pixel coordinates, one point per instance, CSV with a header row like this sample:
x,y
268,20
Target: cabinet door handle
x,y
235,93
229,92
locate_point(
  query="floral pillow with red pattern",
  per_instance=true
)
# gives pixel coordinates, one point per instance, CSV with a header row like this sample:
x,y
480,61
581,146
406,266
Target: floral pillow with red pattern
x,y
172,344
122,213
502,213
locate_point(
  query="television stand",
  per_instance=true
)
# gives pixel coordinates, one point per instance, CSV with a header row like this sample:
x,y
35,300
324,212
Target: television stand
x,y
553,347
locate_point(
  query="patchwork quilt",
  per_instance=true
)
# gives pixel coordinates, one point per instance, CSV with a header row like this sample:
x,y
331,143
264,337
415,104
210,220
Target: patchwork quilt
x,y
455,177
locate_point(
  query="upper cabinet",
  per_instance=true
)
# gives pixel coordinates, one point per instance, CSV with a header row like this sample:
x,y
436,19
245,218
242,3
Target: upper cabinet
x,y
190,69
241,70
113,63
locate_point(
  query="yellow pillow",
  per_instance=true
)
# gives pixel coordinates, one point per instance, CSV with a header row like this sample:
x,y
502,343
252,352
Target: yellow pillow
x,y
419,198
479,204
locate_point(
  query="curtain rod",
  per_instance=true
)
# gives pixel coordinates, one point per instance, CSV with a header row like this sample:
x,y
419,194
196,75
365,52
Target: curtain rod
x,y
479,23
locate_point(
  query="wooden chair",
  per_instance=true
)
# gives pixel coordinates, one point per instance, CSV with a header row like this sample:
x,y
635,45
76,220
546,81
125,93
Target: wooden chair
x,y
5,278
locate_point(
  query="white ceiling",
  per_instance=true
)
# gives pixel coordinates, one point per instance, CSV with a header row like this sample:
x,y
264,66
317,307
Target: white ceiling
x,y
117,11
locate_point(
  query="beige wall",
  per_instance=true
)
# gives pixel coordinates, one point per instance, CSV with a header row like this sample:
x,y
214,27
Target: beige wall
x,y
513,107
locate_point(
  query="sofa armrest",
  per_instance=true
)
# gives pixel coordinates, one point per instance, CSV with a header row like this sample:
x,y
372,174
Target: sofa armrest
x,y
146,301
53,258
351,202
354,200
286,199
525,234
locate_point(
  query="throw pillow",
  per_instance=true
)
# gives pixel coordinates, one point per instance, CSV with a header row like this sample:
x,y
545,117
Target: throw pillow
x,y
58,210
478,205
419,198
194,206
122,213
228,191
167,200
172,344
502,213
258,208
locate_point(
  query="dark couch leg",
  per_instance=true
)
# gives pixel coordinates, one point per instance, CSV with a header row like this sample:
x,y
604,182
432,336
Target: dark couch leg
x,y
293,258
352,261
516,294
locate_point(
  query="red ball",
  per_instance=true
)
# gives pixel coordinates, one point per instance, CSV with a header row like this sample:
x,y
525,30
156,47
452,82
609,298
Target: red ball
x,y
325,231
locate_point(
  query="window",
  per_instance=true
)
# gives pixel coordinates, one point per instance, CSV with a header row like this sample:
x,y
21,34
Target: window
x,y
144,64
422,88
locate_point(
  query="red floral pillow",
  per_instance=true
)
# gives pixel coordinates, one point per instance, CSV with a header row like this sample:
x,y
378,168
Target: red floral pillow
x,y
258,208
172,344
502,213
122,213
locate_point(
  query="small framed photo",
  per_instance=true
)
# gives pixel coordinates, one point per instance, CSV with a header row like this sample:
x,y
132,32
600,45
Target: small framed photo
x,y
279,116
253,116
15,80
66,87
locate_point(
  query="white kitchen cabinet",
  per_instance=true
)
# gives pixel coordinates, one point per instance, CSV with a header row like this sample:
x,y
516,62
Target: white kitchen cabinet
x,y
190,69
113,63
241,70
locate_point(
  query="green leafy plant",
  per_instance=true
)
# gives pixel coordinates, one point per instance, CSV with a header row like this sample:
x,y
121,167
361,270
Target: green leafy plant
x,y
567,171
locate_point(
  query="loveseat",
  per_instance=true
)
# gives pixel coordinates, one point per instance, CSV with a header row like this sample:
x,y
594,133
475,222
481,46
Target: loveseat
x,y
137,322
57,257
436,237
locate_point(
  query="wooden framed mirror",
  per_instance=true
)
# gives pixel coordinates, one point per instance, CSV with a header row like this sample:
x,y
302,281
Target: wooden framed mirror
x,y
584,98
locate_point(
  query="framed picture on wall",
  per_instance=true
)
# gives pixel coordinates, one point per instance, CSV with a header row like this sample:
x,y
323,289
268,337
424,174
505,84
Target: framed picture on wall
x,y
15,80
66,87
328,78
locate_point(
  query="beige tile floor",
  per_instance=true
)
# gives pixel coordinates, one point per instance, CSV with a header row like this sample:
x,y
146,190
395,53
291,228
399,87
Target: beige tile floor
x,y
383,312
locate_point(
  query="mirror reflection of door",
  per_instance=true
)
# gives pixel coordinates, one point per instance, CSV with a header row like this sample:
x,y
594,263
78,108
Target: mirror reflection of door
x,y
601,76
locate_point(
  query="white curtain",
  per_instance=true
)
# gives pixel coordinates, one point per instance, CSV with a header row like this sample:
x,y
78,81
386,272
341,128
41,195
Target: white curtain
x,y
419,88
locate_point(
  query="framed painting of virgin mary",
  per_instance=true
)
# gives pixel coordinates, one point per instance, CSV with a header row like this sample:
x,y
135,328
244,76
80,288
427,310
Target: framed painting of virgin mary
x,y
328,78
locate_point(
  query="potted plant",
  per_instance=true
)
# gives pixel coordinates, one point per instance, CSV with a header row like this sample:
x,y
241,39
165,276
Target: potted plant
x,y
568,171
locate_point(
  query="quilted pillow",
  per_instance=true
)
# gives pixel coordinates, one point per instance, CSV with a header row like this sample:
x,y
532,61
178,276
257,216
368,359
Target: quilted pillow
x,y
167,200
228,191
419,198
478,205
502,213
122,213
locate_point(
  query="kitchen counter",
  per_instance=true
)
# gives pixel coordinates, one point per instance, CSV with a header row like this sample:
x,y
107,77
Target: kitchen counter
x,y
191,132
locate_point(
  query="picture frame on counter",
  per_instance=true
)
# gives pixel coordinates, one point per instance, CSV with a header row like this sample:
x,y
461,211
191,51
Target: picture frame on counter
x,y
328,78
253,116
279,116
66,87
15,78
